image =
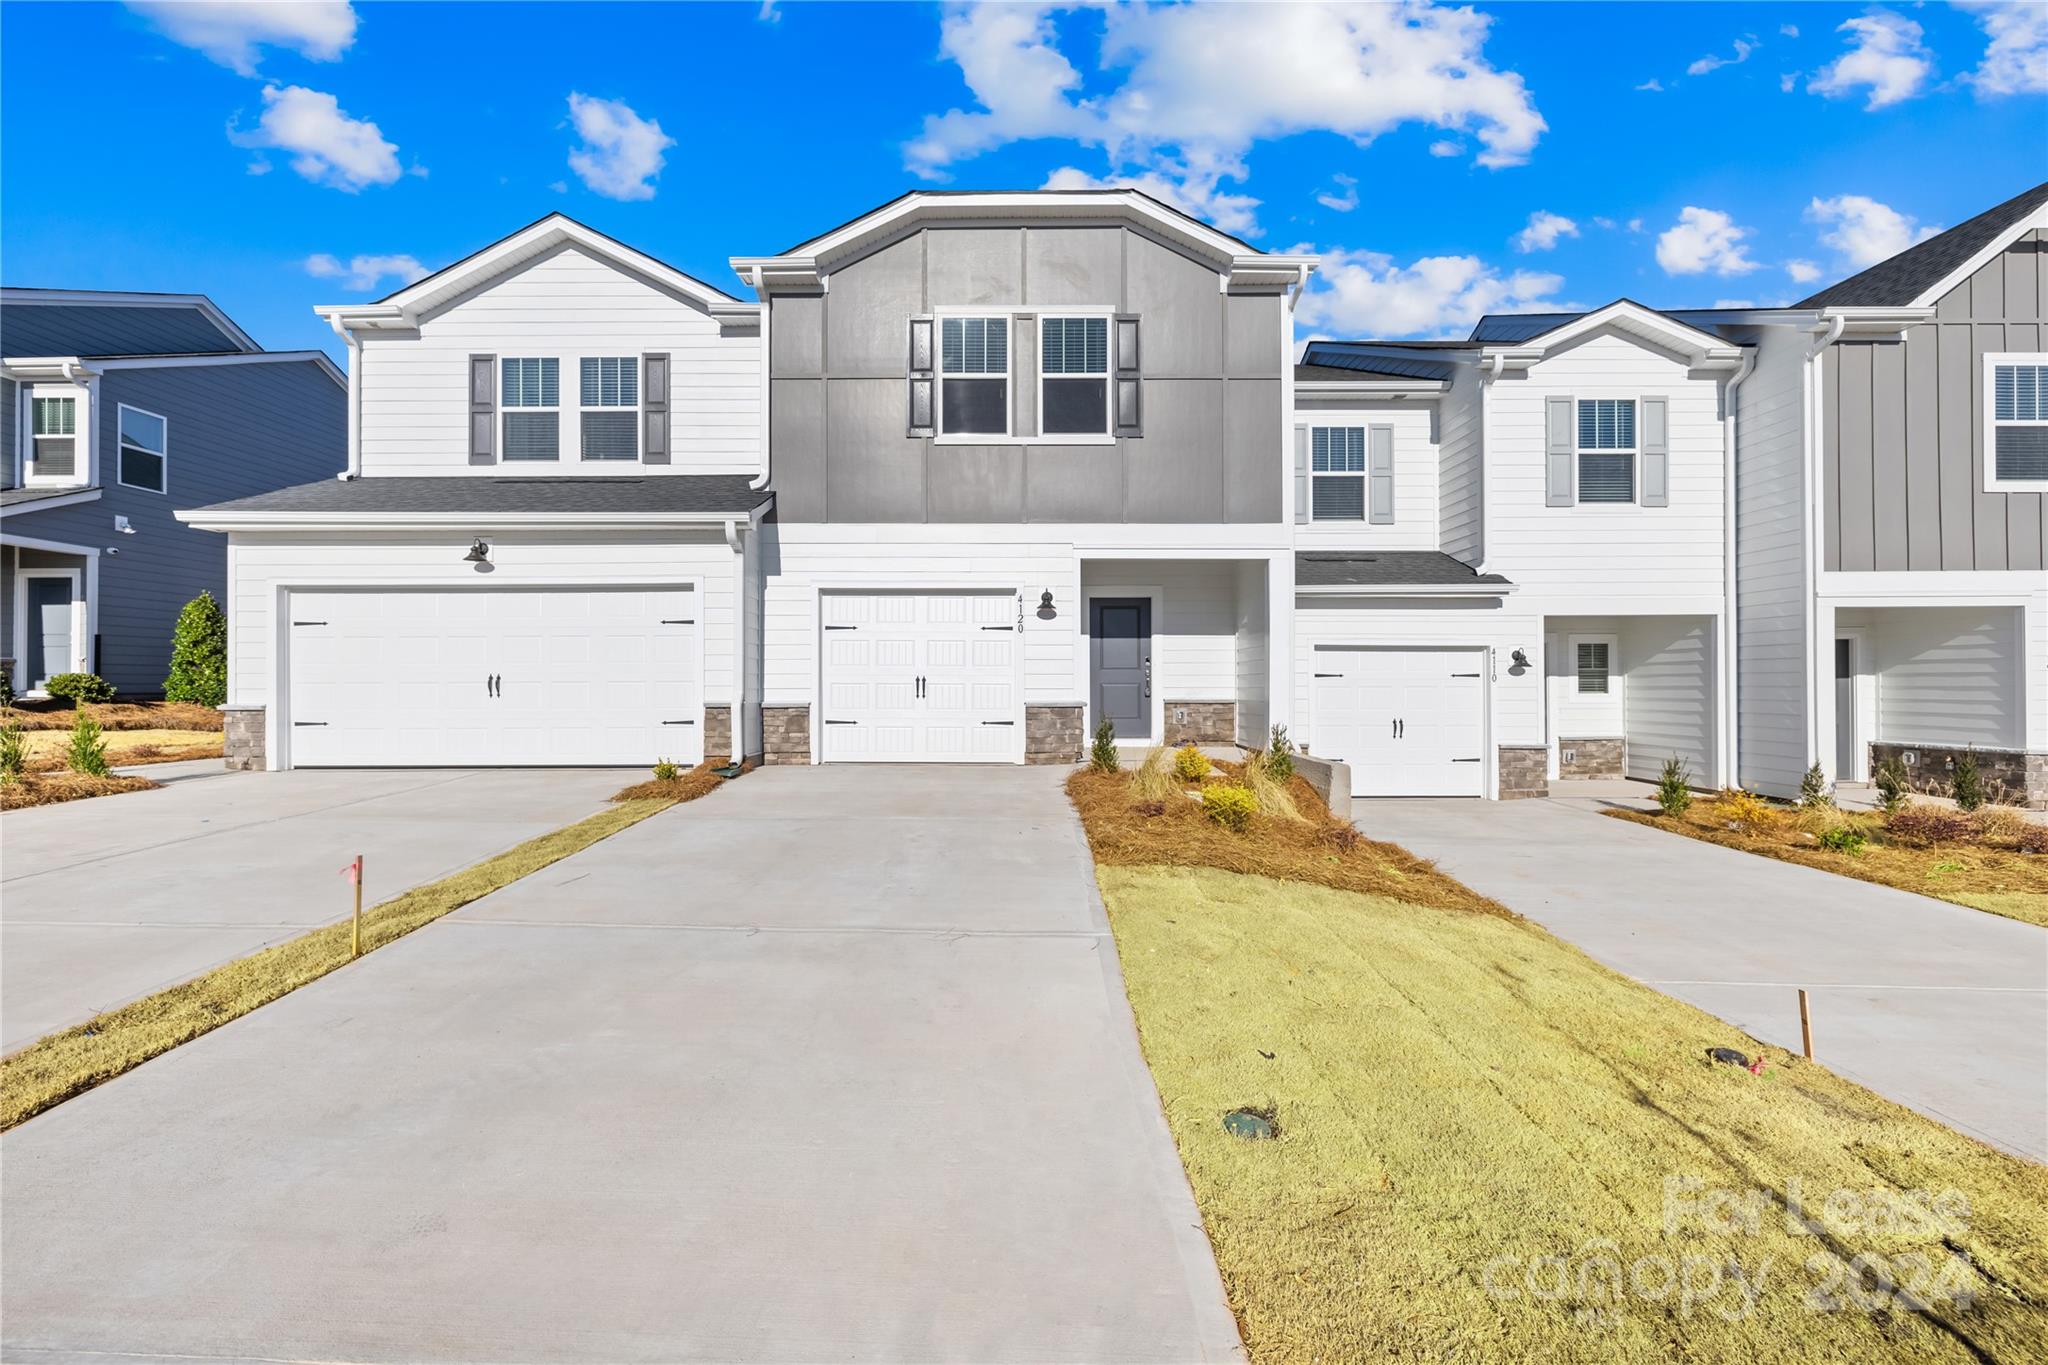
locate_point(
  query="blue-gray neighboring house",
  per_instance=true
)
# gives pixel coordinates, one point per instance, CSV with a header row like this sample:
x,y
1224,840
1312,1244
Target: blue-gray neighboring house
x,y
116,411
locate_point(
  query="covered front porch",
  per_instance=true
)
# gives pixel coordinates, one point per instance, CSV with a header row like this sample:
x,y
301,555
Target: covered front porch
x,y
49,595
1625,694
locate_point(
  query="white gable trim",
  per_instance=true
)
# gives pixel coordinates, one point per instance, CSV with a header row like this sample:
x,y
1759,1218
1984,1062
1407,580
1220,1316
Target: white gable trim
x,y
1701,349
1995,247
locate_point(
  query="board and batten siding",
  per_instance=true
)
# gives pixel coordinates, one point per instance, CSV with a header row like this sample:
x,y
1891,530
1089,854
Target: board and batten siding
x,y
1770,563
568,304
261,562
1415,475
1903,446
1213,423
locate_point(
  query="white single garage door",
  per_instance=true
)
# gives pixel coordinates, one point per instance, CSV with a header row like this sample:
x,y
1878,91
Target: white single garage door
x,y
1410,722
921,678
494,677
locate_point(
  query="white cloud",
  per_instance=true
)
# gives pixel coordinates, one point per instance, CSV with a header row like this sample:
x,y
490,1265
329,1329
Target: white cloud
x,y
2016,59
1364,293
1192,193
1885,56
559,186
1651,84
1704,241
1865,231
1193,87
1543,231
1803,272
1345,198
326,146
621,152
1714,62
1788,82
1635,225
1444,146
362,273
1788,30
232,32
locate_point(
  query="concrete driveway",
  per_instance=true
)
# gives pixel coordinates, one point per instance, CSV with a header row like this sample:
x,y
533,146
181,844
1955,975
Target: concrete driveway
x,y
834,1064
1936,1006
106,900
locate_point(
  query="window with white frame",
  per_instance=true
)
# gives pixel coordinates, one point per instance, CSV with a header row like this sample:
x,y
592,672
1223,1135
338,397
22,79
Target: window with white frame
x,y
974,376
611,407
1607,450
56,438
144,447
1074,376
1594,660
532,398
2016,408
1337,473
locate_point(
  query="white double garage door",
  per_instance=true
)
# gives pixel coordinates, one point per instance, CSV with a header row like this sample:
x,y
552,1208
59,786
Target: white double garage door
x,y
489,677
1409,722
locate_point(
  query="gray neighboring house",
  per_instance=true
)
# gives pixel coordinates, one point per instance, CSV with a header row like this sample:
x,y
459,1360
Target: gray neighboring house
x,y
116,411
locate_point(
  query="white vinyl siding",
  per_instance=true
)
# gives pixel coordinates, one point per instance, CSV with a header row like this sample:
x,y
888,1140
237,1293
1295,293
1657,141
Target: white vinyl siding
x,y
532,397
1770,584
568,304
609,387
1607,450
1410,428
1945,675
1669,709
2016,446
974,376
144,449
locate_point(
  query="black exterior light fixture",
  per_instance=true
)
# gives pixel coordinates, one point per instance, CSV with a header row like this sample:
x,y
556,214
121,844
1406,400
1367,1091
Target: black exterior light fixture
x,y
1045,610
479,553
1520,659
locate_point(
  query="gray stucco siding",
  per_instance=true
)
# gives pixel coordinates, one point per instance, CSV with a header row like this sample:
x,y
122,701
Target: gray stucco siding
x,y
1903,453
40,329
841,452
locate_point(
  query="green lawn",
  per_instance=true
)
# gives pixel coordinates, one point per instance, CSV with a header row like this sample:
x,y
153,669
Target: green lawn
x,y
1460,1096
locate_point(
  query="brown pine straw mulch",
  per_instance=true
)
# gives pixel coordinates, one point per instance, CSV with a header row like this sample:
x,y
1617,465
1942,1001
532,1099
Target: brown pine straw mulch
x,y
47,789
698,781
1125,830
114,715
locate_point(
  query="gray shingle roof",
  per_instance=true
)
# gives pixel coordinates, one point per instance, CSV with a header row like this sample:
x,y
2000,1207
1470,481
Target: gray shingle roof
x,y
487,493
15,497
1896,282
1509,328
1372,359
1388,569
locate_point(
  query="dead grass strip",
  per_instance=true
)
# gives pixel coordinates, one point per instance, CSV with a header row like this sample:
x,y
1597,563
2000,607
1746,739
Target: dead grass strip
x,y
66,1064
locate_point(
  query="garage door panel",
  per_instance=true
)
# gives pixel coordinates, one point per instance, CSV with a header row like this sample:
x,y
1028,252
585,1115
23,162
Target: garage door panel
x,y
876,647
1409,722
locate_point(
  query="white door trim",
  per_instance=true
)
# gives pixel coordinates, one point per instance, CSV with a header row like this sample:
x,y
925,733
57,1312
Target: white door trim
x,y
81,619
1084,683
1863,689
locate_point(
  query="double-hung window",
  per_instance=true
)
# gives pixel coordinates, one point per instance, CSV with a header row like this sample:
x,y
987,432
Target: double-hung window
x,y
611,407
144,444
974,376
1337,473
1074,376
1607,450
1594,660
2016,444
55,439
532,396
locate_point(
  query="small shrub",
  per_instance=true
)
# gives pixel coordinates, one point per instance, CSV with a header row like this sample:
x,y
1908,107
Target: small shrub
x,y
2033,839
1674,787
1926,826
1844,839
13,754
79,687
1891,785
2000,825
199,654
1966,784
1815,793
1230,806
1191,764
1154,780
6,684
1746,809
1279,756
88,751
666,770
1102,754
1269,791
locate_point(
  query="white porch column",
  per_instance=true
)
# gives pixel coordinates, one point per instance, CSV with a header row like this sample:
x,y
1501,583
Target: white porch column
x,y
1280,640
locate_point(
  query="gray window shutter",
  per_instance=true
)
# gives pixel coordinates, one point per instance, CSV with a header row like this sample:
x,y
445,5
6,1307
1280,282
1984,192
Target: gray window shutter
x,y
1656,452
1560,481
1380,475
483,409
921,362
1301,492
1130,380
654,408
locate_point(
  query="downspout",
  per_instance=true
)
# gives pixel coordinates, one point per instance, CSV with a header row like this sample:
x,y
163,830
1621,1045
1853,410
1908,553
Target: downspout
x,y
761,480
737,545
1731,741
355,398
1816,390
1486,383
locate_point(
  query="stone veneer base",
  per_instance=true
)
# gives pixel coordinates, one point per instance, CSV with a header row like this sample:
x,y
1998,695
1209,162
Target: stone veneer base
x,y
1052,734
785,734
242,738
1524,770
2010,776
1592,757
718,734
1208,722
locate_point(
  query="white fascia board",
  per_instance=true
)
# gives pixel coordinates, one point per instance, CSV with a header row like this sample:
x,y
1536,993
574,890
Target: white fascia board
x,y
22,509
1995,247
15,298
1703,348
1406,589
403,521
1371,388
62,547
1870,322
46,369
172,362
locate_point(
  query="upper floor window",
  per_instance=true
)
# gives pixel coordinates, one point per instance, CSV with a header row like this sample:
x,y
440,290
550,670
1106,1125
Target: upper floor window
x,y
144,446
974,376
611,407
1337,473
532,397
2016,446
1607,450
54,439
1074,376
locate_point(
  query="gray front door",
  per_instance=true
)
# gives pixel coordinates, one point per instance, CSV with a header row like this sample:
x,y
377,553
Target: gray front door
x,y
1845,710
1120,664
51,620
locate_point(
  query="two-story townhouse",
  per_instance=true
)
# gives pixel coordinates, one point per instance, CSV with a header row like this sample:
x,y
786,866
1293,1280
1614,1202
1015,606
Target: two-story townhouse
x,y
1024,457
1514,555
1893,587
116,411
542,548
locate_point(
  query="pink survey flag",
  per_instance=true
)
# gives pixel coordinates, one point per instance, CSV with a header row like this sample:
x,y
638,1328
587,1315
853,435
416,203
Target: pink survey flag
x,y
349,872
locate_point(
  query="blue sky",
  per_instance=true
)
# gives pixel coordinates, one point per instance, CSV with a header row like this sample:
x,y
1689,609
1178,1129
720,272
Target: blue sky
x,y
1447,160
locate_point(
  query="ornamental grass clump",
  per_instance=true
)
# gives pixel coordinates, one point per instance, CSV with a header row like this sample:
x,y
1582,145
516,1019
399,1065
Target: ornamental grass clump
x,y
1155,780
13,754
1191,764
1891,785
88,752
1270,791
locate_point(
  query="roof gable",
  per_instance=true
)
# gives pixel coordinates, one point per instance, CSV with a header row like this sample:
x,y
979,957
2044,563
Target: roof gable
x,y
1920,274
79,322
1640,323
